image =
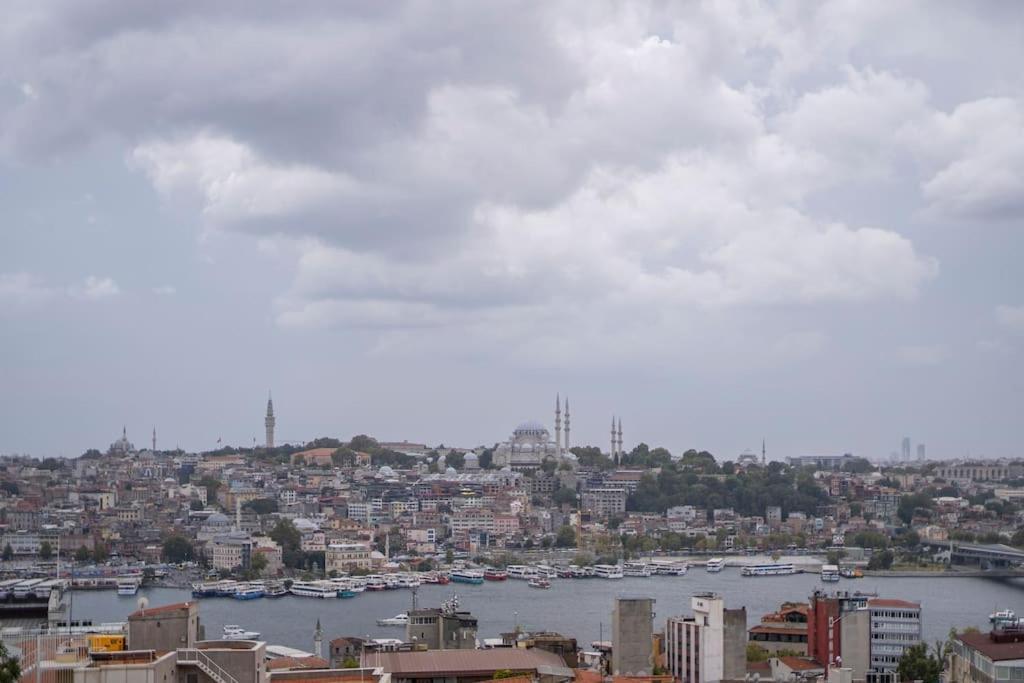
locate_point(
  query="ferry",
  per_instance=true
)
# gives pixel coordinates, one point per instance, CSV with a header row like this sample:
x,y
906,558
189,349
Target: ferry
x,y
671,568
375,583
42,590
128,585
544,571
519,571
236,632
636,569
397,620
314,589
773,569
538,582
276,589
715,564
495,575
467,576
829,573
249,591
1002,615
607,571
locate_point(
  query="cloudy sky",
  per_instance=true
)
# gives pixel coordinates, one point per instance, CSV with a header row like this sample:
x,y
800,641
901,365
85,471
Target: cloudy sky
x,y
720,220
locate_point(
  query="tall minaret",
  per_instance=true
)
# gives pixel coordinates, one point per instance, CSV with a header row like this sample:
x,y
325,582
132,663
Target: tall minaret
x,y
558,426
620,436
270,421
615,452
763,451
154,439
567,425
318,640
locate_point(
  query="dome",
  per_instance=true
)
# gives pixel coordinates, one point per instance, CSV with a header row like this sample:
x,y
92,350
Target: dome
x,y
386,471
450,470
218,519
530,426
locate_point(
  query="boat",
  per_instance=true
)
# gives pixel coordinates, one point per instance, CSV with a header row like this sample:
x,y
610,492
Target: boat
x,y
829,573
565,573
636,569
204,590
314,589
467,576
539,582
249,591
607,571
226,588
236,632
275,589
544,571
1002,615
397,620
495,575
520,571
375,583
772,569
715,564
671,568
851,573
128,585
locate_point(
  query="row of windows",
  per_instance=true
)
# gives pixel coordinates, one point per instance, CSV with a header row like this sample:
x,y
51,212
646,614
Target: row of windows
x,y
896,614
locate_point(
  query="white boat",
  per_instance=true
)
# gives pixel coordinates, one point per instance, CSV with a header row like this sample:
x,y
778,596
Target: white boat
x,y
314,589
715,564
1002,615
250,591
397,620
128,585
236,632
772,569
539,582
607,571
829,573
671,568
519,571
636,569
545,572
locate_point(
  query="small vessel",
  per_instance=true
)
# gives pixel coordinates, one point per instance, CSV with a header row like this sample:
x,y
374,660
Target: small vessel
x,y
397,620
715,564
607,571
314,589
544,571
539,582
636,569
661,568
467,576
226,588
128,585
275,589
772,569
249,591
520,571
375,583
565,573
851,573
829,573
495,575
236,632
1002,615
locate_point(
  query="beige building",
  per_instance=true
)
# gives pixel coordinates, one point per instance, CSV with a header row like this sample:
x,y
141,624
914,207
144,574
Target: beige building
x,y
346,556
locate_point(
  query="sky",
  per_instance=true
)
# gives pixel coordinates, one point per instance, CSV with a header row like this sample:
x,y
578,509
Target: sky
x,y
720,221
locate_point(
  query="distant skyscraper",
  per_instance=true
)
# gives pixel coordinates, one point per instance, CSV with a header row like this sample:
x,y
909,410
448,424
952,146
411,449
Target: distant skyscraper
x,y
270,421
905,451
154,439
920,451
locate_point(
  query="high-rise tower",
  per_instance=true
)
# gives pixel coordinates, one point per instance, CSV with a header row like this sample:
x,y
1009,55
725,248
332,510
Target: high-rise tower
x,y
270,421
154,439
905,449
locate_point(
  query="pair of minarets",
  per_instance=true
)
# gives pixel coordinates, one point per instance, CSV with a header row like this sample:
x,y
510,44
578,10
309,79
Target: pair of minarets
x,y
616,441
561,448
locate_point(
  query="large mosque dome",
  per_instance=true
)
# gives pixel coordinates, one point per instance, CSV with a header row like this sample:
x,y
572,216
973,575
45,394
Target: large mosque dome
x,y
530,428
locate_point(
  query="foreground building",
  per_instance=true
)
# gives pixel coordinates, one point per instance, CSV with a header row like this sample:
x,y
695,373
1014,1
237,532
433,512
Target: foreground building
x,y
995,657
709,646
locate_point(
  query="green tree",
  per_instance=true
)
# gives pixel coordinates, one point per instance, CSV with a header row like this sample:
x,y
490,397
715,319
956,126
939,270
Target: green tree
x,y
350,662
756,653
455,460
176,548
196,505
449,556
564,496
262,506
8,553
81,555
918,664
100,553
503,673
211,485
259,564
10,668
910,539
45,551
912,504
881,560
566,537
288,537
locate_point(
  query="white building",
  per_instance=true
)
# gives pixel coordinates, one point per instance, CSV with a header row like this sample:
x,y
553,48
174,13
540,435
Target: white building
x,y
710,645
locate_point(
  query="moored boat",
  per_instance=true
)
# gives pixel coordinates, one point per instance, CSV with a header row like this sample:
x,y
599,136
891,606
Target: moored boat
x,y
236,632
715,564
397,620
128,585
467,576
829,573
495,575
539,582
770,569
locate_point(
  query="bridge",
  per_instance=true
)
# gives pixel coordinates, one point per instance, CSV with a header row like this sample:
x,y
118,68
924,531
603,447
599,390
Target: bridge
x,y
986,555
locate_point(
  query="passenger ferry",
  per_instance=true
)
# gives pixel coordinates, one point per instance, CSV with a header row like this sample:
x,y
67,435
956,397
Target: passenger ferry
x,y
636,569
545,572
128,585
42,590
715,564
314,589
276,589
607,571
829,573
467,576
249,591
520,571
851,573
376,583
495,575
773,569
670,568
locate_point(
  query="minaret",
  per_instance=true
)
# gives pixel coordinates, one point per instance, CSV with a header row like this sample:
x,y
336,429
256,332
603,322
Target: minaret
x,y
318,640
270,421
558,426
620,437
763,451
154,439
566,425
615,452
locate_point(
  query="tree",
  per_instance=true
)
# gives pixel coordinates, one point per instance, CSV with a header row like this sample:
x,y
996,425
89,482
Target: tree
x,y
449,556
503,673
100,553
8,553
176,548
350,662
564,496
881,560
455,460
566,537
45,551
10,668
81,555
195,505
917,664
910,539
262,506
1018,539
211,485
910,504
259,563
756,653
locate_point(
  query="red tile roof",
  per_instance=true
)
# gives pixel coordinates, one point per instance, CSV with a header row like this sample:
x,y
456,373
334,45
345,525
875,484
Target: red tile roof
x,y
889,602
799,663
162,609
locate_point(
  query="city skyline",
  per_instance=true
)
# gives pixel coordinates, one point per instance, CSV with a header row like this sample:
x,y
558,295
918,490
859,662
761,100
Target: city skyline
x,y
721,223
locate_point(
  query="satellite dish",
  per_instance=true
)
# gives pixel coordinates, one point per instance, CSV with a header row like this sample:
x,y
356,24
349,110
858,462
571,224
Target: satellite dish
x,y
143,602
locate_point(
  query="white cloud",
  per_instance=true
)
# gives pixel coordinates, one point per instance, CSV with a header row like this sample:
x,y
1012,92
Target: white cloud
x,y
22,290
93,288
1011,317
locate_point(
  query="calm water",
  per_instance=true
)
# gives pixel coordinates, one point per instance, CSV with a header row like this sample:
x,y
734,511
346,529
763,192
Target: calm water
x,y
578,608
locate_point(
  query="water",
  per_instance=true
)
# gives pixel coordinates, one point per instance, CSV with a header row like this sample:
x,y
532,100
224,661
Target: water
x,y
576,608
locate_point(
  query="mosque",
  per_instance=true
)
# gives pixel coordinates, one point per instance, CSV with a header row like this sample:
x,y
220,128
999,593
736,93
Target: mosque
x,y
530,444
122,446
